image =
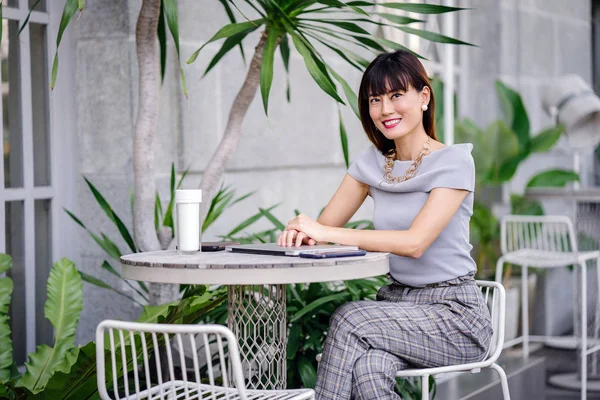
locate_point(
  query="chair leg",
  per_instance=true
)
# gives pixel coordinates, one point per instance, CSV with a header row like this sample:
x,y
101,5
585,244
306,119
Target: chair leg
x,y
503,380
525,310
584,344
425,387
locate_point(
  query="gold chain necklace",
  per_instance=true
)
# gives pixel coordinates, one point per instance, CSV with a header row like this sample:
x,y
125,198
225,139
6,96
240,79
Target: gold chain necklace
x,y
388,167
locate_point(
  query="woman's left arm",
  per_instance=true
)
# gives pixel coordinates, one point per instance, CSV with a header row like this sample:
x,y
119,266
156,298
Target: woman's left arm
x,y
431,220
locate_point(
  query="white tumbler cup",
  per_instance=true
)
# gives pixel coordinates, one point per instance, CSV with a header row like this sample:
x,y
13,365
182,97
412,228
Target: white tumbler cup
x,y
187,220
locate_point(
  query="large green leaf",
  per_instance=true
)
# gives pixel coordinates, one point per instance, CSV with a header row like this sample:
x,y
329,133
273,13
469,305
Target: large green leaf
x,y
411,7
6,353
350,95
225,32
5,262
553,178
317,74
64,304
276,222
315,304
108,210
344,140
247,222
68,11
520,205
284,49
432,36
80,381
232,19
266,69
514,113
500,144
544,140
171,15
228,44
101,284
307,372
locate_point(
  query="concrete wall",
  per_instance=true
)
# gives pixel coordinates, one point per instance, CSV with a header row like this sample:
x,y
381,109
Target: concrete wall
x,y
292,158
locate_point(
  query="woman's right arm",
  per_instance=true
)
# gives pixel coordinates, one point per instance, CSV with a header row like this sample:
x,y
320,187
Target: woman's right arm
x,y
344,203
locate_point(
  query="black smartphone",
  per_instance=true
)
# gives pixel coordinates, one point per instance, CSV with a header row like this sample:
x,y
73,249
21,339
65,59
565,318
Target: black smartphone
x,y
332,254
216,246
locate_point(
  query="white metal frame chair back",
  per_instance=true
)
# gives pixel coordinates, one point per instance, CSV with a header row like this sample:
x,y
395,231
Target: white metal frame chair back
x,y
554,233
495,297
124,339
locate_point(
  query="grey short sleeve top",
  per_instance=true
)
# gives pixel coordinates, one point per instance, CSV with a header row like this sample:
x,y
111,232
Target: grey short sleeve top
x,y
397,205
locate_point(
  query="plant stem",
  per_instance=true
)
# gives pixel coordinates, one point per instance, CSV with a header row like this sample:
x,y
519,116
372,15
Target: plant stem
x,y
233,132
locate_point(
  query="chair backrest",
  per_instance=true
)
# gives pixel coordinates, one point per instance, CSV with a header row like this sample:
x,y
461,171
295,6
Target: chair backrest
x,y
495,298
126,352
546,232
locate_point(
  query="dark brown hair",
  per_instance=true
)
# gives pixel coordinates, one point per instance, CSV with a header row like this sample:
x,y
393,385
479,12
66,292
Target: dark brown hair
x,y
393,72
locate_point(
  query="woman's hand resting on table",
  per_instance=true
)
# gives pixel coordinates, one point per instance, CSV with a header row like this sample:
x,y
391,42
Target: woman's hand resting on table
x,y
301,229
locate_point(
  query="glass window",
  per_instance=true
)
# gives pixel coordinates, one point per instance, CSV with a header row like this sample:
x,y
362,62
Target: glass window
x,y
11,109
43,263
15,246
40,109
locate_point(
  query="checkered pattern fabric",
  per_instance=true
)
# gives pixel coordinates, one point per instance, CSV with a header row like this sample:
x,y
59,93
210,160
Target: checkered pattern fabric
x,y
407,327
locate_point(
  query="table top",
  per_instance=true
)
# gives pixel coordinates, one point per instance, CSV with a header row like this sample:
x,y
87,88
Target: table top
x,y
228,268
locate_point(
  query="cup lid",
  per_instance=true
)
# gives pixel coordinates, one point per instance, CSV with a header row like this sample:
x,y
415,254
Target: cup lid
x,y
188,196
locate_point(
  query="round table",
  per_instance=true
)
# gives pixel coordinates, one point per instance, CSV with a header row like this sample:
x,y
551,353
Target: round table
x,y
256,295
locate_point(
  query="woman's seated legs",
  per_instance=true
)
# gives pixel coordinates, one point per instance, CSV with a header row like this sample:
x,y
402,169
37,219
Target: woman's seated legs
x,y
374,375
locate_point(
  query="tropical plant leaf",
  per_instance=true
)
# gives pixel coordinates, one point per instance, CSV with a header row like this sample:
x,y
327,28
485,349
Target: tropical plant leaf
x,y
344,140
110,250
228,44
225,32
397,19
106,266
80,382
247,222
432,36
64,304
101,284
6,351
317,74
108,210
267,214
514,113
171,15
162,41
315,304
68,11
350,95
411,7
284,49
308,373
232,19
553,178
266,69
520,205
544,140
28,16
5,262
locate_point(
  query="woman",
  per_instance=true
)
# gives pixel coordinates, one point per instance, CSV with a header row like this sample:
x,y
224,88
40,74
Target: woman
x,y
433,314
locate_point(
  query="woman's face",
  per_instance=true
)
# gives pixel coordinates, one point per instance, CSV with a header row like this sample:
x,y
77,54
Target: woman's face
x,y
398,113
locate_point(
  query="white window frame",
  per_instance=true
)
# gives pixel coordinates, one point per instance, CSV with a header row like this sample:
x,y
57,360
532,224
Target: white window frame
x,y
29,193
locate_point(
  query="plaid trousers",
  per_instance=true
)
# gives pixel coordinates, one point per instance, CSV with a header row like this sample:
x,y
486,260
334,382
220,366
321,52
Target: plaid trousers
x,y
407,327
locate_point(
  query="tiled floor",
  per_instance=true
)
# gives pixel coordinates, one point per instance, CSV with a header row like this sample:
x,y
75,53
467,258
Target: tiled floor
x,y
561,361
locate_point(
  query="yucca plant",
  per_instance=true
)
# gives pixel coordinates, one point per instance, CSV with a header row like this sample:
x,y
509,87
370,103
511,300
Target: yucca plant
x,y
163,223
341,26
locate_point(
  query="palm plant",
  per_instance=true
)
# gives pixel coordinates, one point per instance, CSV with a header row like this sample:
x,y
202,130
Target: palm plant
x,y
306,24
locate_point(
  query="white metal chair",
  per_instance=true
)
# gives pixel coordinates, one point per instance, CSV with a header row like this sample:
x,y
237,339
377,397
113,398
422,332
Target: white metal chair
x,y
131,345
497,304
547,241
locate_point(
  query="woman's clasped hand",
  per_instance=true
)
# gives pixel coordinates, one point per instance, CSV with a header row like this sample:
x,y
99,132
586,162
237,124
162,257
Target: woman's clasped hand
x,y
302,230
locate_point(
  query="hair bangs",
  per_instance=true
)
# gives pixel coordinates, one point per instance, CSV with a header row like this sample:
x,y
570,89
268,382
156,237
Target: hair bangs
x,y
388,77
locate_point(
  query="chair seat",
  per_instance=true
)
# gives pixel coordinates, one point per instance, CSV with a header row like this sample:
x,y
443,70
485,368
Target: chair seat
x,y
177,390
548,259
